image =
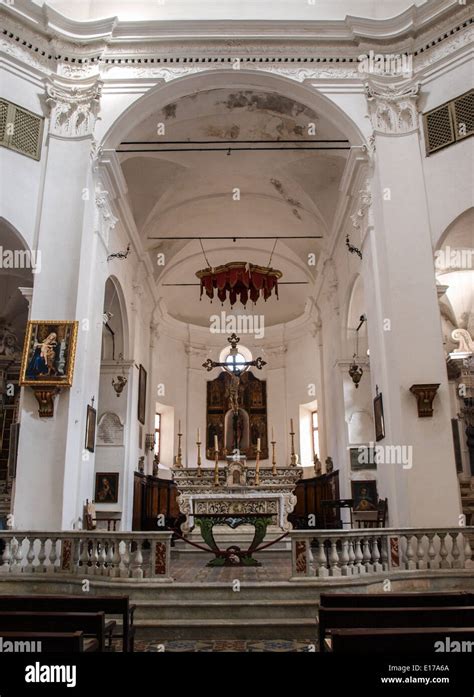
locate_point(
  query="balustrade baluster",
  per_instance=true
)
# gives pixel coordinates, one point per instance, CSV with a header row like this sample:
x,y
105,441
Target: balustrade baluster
x,y
7,556
352,558
384,552
126,559
467,552
334,558
18,557
443,552
30,555
410,552
366,555
455,552
376,565
322,565
101,557
359,567
138,561
84,557
420,553
345,570
42,556
52,557
433,562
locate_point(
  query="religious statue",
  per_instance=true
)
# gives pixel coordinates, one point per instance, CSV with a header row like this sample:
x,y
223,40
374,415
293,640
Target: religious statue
x,y
329,465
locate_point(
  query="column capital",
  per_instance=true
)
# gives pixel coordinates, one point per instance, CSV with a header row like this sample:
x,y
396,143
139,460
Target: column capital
x,y
392,106
74,105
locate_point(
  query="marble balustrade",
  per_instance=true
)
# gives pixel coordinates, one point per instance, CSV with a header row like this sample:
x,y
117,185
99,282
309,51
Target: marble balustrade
x,y
362,552
115,555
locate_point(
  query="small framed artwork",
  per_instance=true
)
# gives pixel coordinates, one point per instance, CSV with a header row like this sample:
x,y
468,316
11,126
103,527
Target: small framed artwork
x,y
378,418
362,458
142,395
49,353
364,495
106,487
91,421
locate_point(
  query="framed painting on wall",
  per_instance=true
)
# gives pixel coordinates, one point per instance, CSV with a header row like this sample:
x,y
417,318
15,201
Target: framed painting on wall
x,y
141,395
364,495
106,487
90,428
362,458
378,417
49,353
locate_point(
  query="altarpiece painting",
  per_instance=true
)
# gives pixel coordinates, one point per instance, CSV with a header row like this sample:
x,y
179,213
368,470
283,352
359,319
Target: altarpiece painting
x,y
250,394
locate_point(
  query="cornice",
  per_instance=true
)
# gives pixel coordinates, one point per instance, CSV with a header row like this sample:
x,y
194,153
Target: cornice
x,y
109,41
51,22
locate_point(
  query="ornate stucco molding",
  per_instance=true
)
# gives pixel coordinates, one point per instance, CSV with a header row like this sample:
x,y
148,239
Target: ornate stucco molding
x,y
74,106
392,106
105,220
362,217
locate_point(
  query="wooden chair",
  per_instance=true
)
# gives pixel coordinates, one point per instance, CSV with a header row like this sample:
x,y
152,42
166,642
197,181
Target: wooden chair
x,y
371,519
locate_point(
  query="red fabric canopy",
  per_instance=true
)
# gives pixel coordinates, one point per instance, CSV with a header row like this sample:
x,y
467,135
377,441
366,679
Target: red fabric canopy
x,y
240,280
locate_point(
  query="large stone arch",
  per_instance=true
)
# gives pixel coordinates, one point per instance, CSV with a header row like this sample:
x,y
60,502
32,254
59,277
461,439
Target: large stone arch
x,y
170,89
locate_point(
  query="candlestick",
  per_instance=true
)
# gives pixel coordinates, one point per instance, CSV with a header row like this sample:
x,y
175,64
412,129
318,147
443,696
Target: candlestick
x,y
293,454
179,426
199,435
257,467
274,471
273,435
216,444
179,461
216,466
258,445
198,443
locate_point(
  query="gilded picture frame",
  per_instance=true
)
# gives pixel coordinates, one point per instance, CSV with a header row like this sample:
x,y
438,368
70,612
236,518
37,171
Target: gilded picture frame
x,y
49,353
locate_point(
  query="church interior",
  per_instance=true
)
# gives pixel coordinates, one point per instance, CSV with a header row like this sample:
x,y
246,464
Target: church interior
x,y
237,326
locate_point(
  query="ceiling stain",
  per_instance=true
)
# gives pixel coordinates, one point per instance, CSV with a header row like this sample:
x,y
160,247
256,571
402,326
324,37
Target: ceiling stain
x,y
230,133
291,201
263,101
169,111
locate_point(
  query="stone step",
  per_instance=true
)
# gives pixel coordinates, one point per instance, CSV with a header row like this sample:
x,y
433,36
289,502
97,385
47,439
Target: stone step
x,y
233,608
245,628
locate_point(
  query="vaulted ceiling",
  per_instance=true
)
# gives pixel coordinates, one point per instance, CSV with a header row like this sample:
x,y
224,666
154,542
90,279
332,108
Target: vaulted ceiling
x,y
211,193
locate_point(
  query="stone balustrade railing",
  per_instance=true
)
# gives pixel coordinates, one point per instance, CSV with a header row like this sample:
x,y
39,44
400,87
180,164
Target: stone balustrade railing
x,y
348,553
114,555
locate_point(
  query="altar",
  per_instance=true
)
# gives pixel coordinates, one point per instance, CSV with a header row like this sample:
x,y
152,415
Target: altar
x,y
236,488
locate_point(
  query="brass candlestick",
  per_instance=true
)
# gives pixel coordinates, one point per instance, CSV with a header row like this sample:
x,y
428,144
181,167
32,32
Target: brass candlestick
x,y
216,469
257,469
274,464
198,443
293,454
179,460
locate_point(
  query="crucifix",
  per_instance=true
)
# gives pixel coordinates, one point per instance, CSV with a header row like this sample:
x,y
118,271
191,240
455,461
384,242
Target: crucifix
x,y
235,369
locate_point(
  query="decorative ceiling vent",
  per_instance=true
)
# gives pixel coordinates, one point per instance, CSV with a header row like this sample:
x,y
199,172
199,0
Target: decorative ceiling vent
x,y
20,130
449,122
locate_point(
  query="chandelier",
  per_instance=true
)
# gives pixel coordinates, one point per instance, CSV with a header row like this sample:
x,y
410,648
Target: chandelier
x,y
240,280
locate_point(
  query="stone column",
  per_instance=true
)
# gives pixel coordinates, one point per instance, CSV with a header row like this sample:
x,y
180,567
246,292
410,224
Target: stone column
x,y
53,479
403,316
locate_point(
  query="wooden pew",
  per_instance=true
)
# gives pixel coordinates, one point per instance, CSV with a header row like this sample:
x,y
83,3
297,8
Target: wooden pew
x,y
331,618
400,641
111,605
389,599
91,623
53,642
